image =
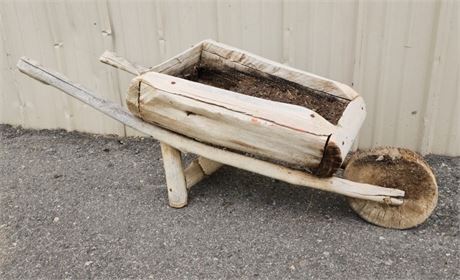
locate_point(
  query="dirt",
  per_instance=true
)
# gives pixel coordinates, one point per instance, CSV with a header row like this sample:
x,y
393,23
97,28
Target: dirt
x,y
395,168
272,88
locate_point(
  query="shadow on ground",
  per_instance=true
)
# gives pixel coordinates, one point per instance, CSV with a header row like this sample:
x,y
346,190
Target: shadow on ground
x,y
74,205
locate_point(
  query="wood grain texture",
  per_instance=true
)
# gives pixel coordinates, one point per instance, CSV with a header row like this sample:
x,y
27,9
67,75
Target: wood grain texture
x,y
115,111
226,120
245,61
273,130
199,169
398,168
175,177
112,59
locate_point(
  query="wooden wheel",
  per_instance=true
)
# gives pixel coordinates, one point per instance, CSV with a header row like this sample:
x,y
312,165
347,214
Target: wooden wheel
x,y
394,168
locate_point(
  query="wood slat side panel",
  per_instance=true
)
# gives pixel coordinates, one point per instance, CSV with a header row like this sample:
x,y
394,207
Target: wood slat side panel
x,y
287,115
218,125
236,56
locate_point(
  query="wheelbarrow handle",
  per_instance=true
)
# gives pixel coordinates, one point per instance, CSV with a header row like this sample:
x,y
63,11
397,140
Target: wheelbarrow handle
x,y
122,63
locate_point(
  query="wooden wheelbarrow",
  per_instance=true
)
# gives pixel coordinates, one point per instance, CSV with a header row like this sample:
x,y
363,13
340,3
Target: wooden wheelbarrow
x,y
231,107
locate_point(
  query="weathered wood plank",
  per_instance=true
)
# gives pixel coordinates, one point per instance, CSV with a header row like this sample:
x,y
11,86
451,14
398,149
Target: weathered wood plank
x,y
175,177
333,184
327,157
176,64
112,59
244,60
219,116
199,169
265,128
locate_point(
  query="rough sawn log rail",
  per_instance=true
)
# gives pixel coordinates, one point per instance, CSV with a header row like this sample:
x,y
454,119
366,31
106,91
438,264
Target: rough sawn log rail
x,y
333,184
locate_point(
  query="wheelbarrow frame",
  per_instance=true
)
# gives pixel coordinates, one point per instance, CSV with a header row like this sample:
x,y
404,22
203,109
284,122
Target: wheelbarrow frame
x,y
299,135
179,179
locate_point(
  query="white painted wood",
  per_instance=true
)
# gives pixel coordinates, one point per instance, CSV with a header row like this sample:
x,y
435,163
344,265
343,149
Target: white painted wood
x,y
341,40
333,184
175,177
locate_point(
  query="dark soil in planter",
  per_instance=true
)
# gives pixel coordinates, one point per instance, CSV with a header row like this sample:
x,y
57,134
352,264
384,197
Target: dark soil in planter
x,y
272,88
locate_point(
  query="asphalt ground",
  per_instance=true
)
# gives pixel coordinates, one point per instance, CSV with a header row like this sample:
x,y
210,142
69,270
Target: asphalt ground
x,y
79,206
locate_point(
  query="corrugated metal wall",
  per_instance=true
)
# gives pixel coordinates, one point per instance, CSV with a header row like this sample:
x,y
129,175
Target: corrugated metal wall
x,y
402,56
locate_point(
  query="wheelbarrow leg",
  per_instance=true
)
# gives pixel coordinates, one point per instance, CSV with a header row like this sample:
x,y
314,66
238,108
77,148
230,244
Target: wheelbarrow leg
x,y
175,177
201,167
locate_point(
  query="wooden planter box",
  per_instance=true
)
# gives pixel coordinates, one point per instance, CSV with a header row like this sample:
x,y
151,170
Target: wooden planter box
x,y
235,103
235,100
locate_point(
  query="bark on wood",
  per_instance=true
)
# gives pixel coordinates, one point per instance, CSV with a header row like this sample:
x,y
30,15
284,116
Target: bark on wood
x,y
333,184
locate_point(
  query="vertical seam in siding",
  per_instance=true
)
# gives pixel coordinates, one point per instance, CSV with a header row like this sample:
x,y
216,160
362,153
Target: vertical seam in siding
x,y
377,129
431,101
357,63
404,70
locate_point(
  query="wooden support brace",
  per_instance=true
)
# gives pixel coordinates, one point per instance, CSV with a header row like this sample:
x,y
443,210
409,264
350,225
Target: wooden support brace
x,y
175,177
201,167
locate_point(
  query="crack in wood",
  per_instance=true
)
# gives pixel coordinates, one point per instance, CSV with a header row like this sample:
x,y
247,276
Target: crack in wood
x,y
237,111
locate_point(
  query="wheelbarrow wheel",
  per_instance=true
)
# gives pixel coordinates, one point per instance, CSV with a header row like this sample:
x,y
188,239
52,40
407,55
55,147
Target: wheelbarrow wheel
x,y
394,168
